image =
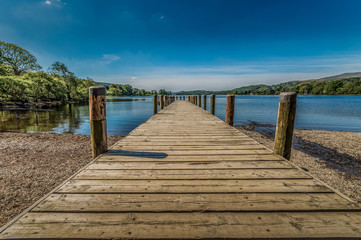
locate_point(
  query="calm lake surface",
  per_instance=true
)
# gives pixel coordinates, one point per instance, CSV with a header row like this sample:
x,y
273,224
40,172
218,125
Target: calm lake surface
x,y
335,113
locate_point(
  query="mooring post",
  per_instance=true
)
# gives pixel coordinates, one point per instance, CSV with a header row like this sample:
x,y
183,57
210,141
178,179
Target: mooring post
x,y
213,104
199,101
98,123
230,109
205,102
155,104
161,101
285,124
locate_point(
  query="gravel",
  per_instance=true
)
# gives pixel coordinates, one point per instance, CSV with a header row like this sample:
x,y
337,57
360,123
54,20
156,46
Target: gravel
x,y
31,165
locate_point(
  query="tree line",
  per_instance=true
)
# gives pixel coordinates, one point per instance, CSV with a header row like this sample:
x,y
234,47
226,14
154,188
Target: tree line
x,y
343,86
128,90
22,80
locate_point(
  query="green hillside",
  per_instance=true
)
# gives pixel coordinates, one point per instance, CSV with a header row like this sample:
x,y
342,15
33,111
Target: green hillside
x,y
343,84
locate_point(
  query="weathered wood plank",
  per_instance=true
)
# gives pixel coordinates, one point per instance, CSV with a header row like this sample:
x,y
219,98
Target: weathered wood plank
x,y
118,151
192,174
245,157
333,225
194,186
190,165
194,202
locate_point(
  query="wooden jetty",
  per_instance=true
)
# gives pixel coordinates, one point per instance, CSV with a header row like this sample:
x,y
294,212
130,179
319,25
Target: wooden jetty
x,y
185,174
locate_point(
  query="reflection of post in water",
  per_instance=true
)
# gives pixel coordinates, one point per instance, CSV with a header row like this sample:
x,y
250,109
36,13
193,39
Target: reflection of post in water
x,y
17,119
37,117
70,109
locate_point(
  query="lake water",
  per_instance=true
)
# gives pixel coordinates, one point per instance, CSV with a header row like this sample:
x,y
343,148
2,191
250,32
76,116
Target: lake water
x,y
336,113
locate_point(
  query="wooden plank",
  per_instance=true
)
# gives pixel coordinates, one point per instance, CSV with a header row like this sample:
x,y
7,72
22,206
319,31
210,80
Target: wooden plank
x,y
325,225
192,174
118,151
245,157
194,186
187,148
189,165
194,202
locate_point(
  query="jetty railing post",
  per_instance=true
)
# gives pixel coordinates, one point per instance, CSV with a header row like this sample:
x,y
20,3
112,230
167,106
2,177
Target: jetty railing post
x,y
205,102
230,109
98,123
155,104
285,124
199,101
161,101
213,103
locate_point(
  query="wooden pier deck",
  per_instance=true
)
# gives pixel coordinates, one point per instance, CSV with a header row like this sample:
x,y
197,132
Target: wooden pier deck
x,y
185,174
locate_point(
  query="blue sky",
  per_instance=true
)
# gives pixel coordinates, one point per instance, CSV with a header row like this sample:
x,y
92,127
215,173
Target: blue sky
x,y
183,45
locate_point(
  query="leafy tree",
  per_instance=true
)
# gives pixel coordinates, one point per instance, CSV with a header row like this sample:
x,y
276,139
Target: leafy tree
x,y
13,89
59,69
17,58
43,86
127,90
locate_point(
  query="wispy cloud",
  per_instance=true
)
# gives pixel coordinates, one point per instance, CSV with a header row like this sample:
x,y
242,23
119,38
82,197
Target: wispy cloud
x,y
110,57
54,3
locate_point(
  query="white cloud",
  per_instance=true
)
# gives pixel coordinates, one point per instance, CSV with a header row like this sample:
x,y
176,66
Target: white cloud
x,y
110,57
133,78
55,3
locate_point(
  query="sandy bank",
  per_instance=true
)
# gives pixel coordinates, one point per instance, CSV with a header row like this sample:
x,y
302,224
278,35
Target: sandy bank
x,y
31,165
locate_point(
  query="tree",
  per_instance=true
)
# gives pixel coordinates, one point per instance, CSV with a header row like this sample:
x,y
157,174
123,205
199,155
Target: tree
x,y
61,70
17,58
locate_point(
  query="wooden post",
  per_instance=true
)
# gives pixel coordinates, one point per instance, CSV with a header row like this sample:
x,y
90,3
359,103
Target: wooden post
x,y
205,102
213,103
230,109
184,98
195,100
285,124
161,101
98,123
155,104
199,101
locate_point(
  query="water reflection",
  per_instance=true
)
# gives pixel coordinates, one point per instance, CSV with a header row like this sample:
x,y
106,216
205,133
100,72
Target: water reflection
x,y
123,115
337,113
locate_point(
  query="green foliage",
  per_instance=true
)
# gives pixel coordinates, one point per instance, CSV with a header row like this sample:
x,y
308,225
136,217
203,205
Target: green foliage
x,y
17,58
13,88
42,86
326,86
128,90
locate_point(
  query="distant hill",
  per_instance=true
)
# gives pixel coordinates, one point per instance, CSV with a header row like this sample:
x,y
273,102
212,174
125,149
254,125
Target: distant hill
x,y
346,83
